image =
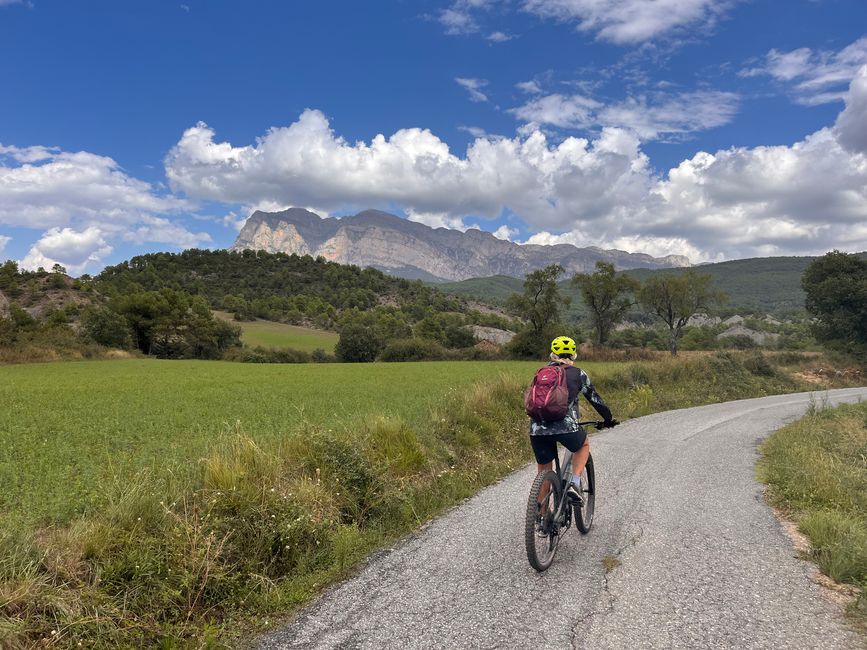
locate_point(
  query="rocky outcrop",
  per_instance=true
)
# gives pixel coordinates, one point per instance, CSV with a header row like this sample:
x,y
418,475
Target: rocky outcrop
x,y
492,334
413,250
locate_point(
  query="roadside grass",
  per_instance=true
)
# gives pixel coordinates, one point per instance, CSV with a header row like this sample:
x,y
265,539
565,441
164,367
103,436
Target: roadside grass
x,y
816,471
194,537
268,334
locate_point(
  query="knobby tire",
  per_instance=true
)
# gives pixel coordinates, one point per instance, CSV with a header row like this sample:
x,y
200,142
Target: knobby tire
x,y
541,550
584,514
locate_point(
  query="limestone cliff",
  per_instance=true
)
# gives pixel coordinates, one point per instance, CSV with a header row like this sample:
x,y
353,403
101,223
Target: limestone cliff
x,y
413,250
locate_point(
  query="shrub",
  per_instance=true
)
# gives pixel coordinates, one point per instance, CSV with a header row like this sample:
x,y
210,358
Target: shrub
x,y
414,349
107,327
266,355
357,343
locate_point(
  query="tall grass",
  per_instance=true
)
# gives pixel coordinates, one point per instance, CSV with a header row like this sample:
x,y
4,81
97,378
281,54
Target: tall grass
x,y
266,522
816,469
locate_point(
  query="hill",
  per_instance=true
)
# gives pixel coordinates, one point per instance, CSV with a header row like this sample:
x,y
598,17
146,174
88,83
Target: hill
x,y
412,250
762,284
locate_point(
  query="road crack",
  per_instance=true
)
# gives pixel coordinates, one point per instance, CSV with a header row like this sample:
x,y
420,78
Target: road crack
x,y
608,597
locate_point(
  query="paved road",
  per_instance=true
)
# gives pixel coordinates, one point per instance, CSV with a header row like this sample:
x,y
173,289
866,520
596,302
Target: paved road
x,y
704,563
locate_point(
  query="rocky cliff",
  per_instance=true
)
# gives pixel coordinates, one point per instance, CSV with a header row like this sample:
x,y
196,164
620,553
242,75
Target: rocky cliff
x,y
413,250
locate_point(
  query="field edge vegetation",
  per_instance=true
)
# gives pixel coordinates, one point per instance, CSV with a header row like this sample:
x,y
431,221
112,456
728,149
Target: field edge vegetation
x,y
816,472
263,527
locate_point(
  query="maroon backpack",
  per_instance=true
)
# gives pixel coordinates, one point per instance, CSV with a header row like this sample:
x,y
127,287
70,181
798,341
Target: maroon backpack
x,y
547,398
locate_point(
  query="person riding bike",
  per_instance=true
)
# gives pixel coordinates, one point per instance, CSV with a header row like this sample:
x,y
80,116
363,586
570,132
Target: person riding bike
x,y
544,436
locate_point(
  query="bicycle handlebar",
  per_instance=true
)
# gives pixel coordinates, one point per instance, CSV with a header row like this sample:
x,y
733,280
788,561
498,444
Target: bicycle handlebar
x,y
599,424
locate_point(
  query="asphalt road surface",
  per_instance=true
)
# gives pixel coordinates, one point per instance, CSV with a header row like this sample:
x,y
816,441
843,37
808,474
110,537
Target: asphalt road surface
x,y
703,561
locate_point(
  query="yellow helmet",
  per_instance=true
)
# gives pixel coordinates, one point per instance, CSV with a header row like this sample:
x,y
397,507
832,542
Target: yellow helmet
x,y
563,345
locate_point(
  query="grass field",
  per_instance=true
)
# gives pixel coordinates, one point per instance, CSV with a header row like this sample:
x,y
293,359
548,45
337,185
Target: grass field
x,y
816,469
269,334
68,428
135,512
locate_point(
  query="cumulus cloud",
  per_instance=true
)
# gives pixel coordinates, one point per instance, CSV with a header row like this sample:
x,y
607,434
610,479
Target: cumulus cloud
x,y
741,202
82,199
627,22
647,117
818,76
852,122
308,164
73,249
47,188
474,88
3,241
504,232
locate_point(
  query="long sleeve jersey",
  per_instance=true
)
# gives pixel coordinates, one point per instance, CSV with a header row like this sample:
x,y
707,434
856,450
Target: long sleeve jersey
x,y
578,383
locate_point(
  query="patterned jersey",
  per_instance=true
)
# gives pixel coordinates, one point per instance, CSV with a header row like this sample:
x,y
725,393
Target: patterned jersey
x,y
579,384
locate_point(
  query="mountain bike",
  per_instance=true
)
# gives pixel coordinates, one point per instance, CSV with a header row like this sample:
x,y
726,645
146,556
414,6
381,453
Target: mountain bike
x,y
550,509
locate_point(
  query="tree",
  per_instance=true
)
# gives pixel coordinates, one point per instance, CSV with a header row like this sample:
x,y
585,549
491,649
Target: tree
x,y
357,343
836,288
106,327
675,298
607,295
539,306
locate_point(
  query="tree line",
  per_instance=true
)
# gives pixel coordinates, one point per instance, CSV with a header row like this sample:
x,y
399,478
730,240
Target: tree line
x,y
835,286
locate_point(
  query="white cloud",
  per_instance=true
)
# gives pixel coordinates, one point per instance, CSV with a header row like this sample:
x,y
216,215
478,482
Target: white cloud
x,y
627,22
499,37
162,231
741,202
3,241
51,188
532,87
75,250
818,76
666,115
563,111
82,201
851,124
307,164
458,18
649,118
473,87
437,220
504,232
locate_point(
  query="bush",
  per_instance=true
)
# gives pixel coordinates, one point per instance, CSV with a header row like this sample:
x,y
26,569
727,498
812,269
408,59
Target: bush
x,y
107,328
357,344
267,355
321,356
414,349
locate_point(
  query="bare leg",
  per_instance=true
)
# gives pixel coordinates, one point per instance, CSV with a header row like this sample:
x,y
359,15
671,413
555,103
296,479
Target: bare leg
x,y
579,459
543,493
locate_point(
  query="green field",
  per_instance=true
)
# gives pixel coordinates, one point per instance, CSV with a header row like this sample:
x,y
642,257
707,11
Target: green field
x,y
217,496
269,334
69,429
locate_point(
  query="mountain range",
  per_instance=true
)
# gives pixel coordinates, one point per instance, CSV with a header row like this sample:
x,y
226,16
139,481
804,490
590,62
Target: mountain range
x,y
413,250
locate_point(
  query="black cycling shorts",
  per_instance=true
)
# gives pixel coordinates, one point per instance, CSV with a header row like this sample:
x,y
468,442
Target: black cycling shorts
x,y
545,447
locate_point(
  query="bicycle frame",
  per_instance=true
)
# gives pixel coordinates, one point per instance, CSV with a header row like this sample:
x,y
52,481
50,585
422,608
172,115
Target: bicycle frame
x,y
564,473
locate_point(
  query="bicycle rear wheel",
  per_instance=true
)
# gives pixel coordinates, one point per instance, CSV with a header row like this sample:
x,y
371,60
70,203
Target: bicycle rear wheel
x,y
584,511
540,530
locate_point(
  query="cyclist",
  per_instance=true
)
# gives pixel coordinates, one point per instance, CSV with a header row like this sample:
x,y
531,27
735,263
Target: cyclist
x,y
544,436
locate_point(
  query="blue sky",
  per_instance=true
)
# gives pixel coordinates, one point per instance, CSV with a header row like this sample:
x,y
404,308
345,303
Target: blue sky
x,y
715,129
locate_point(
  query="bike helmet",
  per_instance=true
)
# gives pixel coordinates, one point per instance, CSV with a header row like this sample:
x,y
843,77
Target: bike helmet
x,y
563,345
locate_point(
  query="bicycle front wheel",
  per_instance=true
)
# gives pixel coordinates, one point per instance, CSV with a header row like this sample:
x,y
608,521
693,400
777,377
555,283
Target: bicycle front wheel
x,y
584,510
540,530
